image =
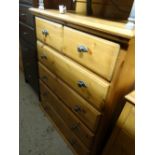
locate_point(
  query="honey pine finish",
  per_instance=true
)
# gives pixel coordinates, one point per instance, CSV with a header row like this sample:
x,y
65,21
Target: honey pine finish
x,y
122,140
86,66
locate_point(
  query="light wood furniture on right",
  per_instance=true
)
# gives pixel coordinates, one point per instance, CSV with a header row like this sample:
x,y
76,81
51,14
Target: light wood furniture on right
x,y
86,65
122,140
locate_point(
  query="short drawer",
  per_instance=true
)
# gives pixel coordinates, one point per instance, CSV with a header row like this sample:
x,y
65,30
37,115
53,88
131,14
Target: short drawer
x,y
24,15
76,144
87,84
75,125
27,33
50,33
97,54
80,107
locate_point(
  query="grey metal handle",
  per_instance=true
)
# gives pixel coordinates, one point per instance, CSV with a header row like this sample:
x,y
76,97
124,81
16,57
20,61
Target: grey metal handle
x,y
72,141
77,108
82,48
45,32
81,84
75,126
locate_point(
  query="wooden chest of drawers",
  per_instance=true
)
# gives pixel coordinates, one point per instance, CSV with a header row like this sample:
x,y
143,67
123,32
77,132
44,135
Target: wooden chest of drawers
x,y
83,76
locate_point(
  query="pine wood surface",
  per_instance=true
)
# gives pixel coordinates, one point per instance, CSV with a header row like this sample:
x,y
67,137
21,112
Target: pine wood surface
x,y
75,125
110,27
87,114
101,56
107,97
96,88
53,39
74,143
131,97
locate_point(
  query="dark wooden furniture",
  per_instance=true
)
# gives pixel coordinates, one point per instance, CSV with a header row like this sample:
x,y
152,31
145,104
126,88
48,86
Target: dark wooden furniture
x,y
27,43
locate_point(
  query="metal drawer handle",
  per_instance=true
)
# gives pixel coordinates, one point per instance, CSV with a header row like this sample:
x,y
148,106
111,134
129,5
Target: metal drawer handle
x,y
45,32
74,126
77,108
82,48
81,84
43,57
72,141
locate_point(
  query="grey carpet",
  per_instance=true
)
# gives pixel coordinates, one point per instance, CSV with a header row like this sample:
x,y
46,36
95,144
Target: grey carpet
x,y
37,135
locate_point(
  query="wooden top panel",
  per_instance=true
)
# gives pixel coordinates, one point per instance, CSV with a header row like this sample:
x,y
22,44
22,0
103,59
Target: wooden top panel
x,y
105,26
131,97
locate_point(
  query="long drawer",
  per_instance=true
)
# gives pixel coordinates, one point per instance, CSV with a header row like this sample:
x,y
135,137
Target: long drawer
x,y
50,33
97,54
80,107
77,127
67,133
87,84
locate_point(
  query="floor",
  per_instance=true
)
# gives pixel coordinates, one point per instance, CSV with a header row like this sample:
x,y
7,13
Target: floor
x,y
37,135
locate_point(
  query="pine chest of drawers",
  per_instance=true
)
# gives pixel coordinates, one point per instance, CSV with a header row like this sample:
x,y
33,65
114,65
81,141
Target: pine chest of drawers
x,y
86,65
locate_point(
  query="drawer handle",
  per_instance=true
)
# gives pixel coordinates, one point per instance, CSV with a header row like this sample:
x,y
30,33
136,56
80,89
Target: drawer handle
x,y
82,48
45,32
43,57
81,84
72,141
74,126
77,108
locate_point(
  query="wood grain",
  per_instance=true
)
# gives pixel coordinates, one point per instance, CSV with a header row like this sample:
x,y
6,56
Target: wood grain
x,y
75,125
96,88
131,97
115,28
87,114
101,56
54,37
74,143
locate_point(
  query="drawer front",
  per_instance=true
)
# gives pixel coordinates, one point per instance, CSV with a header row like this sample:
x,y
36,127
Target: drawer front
x,y
27,33
95,53
84,134
87,84
25,16
67,133
49,33
80,107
